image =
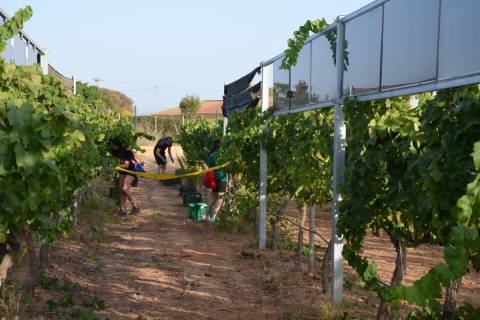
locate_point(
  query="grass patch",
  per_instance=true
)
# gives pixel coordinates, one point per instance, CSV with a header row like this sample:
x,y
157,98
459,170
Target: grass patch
x,y
324,311
96,213
13,300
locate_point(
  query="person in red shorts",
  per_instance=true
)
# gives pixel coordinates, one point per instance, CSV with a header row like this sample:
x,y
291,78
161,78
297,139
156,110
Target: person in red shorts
x,y
216,205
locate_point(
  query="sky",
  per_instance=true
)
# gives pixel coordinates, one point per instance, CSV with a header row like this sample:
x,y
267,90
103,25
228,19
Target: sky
x,y
158,51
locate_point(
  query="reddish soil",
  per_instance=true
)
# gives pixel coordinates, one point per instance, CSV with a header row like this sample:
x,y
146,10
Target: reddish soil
x,y
159,265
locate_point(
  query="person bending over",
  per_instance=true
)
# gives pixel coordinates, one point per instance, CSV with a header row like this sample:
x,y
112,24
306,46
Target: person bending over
x,y
222,179
127,161
159,152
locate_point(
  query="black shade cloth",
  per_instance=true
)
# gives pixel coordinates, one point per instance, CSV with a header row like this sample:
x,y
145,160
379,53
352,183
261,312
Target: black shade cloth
x,y
228,112
242,98
241,84
245,99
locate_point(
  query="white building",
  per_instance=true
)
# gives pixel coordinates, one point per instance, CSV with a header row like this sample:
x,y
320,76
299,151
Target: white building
x,y
22,50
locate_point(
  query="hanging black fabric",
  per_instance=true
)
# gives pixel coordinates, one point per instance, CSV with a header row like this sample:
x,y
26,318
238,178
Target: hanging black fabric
x,y
238,102
242,98
241,84
228,112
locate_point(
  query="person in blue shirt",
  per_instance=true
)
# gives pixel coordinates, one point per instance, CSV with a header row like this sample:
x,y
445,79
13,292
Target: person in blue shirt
x,y
222,180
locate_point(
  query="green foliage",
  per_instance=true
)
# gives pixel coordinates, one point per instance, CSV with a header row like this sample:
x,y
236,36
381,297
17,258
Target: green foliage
x,y
465,312
118,101
13,25
52,145
238,209
407,170
189,106
295,44
196,137
299,150
13,300
299,160
241,147
67,306
106,99
92,95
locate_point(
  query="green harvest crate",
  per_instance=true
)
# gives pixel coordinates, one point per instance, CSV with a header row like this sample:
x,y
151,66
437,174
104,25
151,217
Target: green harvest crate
x,y
193,197
171,183
186,188
179,171
196,211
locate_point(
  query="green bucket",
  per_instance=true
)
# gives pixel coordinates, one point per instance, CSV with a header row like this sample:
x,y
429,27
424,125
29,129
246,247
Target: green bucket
x,y
196,211
193,197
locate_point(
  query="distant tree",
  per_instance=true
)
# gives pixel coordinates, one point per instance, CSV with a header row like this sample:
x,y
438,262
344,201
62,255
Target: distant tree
x,y
190,105
92,94
280,95
106,98
118,100
284,97
301,95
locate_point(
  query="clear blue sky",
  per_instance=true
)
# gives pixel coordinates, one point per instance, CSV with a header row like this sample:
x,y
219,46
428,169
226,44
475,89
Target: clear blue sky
x,y
183,46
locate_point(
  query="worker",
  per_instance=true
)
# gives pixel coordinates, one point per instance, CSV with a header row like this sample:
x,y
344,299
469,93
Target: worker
x,y
159,152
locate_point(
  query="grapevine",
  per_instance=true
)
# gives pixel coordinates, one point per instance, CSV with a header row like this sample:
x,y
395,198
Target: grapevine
x,y
53,144
407,170
295,44
196,137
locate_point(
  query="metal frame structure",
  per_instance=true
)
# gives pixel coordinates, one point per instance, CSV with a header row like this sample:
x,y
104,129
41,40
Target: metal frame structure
x,y
35,45
262,223
41,52
339,134
470,77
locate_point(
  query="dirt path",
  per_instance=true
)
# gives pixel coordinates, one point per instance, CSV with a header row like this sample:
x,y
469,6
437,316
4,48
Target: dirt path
x,y
159,265
172,268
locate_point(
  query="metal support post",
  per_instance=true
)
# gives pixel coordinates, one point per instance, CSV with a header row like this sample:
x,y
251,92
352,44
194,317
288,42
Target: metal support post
x,y
155,129
74,85
262,224
135,117
338,168
225,125
44,62
311,240
26,53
